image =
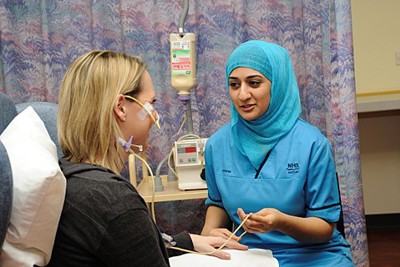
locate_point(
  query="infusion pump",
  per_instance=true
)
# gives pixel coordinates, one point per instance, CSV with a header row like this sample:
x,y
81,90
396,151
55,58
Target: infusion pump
x,y
189,163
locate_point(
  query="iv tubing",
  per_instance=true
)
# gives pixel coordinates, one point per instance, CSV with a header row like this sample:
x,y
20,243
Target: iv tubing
x,y
189,116
183,18
153,195
158,170
216,249
153,214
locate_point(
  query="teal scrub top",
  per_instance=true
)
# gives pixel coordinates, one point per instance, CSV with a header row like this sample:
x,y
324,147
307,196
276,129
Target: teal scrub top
x,y
298,178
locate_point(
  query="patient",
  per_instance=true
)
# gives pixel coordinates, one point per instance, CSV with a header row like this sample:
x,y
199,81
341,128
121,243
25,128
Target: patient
x,y
105,96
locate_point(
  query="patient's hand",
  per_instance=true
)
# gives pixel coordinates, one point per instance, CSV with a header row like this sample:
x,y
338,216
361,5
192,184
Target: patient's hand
x,y
224,233
207,244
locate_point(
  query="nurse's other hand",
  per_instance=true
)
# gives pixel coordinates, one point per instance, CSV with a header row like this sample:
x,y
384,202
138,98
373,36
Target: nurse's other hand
x,y
265,220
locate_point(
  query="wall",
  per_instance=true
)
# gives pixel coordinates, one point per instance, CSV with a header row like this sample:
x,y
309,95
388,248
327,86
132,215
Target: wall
x,y
380,161
376,39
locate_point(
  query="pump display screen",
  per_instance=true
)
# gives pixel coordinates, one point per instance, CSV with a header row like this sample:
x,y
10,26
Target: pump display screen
x,y
187,149
187,153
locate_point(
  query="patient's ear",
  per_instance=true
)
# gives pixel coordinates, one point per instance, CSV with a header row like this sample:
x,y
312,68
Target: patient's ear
x,y
119,108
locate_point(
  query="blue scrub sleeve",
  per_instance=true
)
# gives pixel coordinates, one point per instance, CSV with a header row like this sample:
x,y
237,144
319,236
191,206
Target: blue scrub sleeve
x,y
322,198
214,197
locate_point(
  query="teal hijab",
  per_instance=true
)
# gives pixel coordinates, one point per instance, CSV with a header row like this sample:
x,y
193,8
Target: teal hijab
x,y
257,137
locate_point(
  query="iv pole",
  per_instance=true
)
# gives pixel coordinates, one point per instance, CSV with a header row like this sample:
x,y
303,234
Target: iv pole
x,y
185,99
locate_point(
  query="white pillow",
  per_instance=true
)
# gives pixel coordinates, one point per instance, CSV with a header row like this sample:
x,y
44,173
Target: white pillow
x,y
252,257
38,192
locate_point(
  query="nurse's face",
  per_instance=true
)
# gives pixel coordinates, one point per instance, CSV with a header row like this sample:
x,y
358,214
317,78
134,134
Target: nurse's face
x,y
250,92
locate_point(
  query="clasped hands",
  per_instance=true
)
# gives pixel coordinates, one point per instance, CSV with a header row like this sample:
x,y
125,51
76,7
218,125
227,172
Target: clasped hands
x,y
265,220
262,221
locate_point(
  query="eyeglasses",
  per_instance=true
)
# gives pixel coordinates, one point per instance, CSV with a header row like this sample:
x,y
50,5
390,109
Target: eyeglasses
x,y
147,110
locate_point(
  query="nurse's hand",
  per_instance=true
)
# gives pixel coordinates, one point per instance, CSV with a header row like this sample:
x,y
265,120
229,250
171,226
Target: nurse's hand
x,y
265,220
209,244
303,229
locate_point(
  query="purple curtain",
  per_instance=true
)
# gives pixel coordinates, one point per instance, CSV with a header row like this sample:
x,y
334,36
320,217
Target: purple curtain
x,y
39,39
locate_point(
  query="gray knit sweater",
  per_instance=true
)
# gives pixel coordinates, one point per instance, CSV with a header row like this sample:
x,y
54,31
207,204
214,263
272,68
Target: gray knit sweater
x,y
105,222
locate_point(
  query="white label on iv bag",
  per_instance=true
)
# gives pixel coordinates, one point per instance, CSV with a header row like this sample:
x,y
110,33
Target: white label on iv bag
x,y
180,61
183,61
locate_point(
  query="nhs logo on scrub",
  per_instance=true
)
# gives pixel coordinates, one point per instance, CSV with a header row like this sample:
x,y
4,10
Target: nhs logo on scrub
x,y
293,168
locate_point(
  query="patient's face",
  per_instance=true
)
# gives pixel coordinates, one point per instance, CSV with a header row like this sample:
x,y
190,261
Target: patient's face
x,y
138,120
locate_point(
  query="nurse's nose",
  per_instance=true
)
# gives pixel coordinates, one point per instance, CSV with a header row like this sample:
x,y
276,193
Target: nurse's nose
x,y
244,92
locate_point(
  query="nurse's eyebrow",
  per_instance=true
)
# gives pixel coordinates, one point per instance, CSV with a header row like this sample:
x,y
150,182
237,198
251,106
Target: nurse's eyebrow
x,y
248,77
253,76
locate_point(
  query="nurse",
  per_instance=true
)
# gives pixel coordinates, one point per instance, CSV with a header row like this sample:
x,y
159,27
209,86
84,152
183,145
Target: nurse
x,y
269,162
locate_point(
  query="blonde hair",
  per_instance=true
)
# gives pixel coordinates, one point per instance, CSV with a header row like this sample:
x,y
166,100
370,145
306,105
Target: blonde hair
x,y
87,128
